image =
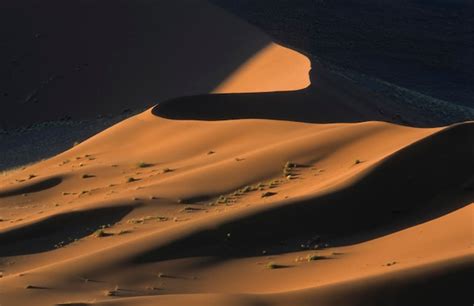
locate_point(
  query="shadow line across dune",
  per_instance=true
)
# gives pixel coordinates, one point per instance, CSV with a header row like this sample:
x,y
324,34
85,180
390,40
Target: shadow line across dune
x,y
330,98
35,186
324,101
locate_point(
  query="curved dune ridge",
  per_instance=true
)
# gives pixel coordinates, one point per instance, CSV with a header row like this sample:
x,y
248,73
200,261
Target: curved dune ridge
x,y
282,198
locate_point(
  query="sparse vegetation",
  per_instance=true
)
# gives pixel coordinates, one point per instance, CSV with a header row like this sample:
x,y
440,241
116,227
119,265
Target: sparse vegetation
x,y
190,209
147,218
222,200
32,287
274,183
245,189
288,169
144,165
101,233
268,194
312,257
132,179
272,265
290,165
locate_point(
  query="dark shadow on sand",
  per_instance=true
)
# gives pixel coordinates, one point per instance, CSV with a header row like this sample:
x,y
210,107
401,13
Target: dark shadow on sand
x,y
58,231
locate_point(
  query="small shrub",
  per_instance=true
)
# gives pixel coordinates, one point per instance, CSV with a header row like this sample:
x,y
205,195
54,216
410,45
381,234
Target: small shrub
x,y
272,265
268,194
147,218
163,275
190,209
312,257
101,233
222,200
290,165
246,189
144,165
132,179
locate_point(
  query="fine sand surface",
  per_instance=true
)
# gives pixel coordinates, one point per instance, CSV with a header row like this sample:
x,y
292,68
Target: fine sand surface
x,y
375,203
244,198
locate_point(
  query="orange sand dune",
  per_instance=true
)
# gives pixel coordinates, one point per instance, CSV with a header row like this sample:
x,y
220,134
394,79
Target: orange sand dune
x,y
277,198
367,190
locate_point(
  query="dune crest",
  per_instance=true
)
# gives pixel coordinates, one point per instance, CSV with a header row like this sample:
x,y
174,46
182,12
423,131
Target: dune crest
x,y
273,68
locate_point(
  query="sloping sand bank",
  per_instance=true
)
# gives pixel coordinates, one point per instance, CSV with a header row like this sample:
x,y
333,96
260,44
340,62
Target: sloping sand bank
x,y
196,210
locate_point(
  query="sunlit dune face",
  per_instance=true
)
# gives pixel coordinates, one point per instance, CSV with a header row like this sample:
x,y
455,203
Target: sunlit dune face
x,y
274,68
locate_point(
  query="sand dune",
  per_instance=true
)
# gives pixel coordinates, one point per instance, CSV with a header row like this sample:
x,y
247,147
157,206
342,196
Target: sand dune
x,y
244,198
367,190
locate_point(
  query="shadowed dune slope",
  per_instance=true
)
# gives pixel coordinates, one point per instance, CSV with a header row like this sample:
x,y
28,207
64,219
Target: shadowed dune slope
x,y
81,59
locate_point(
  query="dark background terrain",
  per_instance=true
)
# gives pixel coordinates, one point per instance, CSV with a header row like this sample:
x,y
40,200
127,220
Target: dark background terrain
x,y
422,45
